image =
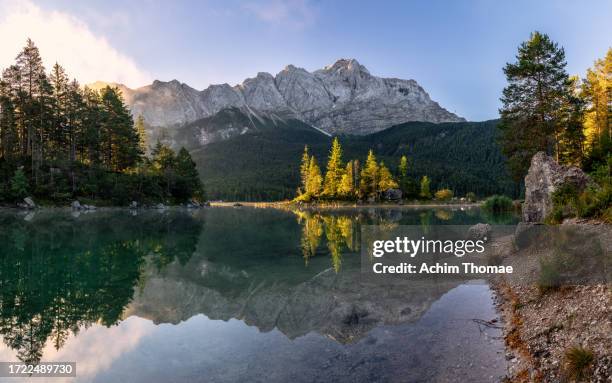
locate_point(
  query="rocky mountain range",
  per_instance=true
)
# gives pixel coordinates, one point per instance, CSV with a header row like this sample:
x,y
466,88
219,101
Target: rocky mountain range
x,y
342,98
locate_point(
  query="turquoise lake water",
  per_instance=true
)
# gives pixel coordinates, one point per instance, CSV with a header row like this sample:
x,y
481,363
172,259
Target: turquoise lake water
x,y
234,295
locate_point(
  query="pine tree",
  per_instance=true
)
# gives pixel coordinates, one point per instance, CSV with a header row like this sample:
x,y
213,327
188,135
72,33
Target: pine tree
x,y
532,101
571,139
189,184
8,132
304,170
120,141
19,184
406,183
385,179
368,183
346,188
334,171
597,95
59,110
403,167
315,180
142,134
164,161
425,190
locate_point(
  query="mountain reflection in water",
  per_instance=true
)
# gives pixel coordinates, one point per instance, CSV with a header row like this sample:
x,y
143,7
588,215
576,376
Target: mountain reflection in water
x,y
294,273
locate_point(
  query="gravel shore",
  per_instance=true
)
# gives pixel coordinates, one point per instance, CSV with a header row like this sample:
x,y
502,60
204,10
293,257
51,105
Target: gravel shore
x,y
543,328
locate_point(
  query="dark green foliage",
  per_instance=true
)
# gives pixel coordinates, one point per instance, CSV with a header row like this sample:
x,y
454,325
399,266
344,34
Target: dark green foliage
x,y
19,185
55,280
263,163
498,204
534,113
594,202
60,142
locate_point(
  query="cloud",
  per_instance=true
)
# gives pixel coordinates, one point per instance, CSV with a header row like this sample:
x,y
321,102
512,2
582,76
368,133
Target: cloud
x,y
296,13
67,40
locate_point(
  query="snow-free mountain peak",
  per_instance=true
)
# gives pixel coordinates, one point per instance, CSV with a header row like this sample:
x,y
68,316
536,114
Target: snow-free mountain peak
x,y
341,98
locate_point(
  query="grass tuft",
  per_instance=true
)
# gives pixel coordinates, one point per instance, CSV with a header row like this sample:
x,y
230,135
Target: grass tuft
x,y
578,362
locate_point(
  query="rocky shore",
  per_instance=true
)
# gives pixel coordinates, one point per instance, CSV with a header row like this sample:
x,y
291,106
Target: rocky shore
x,y
557,306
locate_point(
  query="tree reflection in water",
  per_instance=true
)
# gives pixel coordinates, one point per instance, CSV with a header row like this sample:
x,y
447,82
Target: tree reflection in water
x,y
57,276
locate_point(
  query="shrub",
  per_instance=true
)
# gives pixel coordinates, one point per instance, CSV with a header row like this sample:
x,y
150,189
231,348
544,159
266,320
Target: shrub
x,y
550,275
578,361
19,185
594,202
471,196
444,194
498,204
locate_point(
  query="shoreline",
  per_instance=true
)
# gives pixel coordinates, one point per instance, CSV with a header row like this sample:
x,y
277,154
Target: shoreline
x,y
541,327
275,205
340,206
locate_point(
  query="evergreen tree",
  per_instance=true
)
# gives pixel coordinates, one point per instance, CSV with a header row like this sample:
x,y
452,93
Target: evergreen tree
x,y
19,184
406,183
368,183
571,138
8,132
188,183
532,101
346,188
71,141
304,170
120,141
425,190
597,95
142,134
403,167
59,109
315,180
164,160
334,172
385,179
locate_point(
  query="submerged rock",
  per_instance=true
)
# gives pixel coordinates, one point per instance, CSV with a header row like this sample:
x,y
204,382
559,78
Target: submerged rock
x,y
545,176
479,231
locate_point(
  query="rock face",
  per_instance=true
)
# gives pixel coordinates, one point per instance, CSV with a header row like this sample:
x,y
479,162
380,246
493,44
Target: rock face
x,y
340,98
544,177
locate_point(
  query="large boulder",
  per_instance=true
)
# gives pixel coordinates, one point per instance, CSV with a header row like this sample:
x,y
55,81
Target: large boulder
x,y
545,176
480,231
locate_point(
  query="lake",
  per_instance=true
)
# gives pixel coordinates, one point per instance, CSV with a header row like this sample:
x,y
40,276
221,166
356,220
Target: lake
x,y
234,294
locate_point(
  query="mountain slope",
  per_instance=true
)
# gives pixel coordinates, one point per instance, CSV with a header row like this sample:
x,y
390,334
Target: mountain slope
x,y
263,164
341,98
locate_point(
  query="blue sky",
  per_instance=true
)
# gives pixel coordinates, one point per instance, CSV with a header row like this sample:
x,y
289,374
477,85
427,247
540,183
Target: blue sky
x,y
454,49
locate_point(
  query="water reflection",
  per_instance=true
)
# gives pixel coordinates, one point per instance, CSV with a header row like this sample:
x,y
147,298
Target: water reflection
x,y
59,274
291,273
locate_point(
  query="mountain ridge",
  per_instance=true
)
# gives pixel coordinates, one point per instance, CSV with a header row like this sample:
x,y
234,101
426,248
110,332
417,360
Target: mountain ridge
x,y
341,98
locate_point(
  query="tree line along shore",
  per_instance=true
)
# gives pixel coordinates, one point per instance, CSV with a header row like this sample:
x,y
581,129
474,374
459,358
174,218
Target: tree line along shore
x,y
60,142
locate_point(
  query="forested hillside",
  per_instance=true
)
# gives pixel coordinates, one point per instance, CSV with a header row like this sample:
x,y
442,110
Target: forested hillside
x,y
264,164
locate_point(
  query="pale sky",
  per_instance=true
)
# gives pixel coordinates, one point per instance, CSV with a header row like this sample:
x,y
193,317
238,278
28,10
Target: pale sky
x,y
454,49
